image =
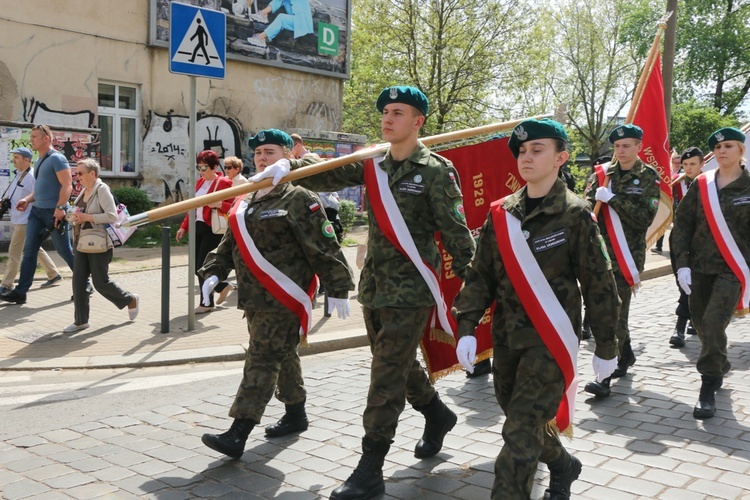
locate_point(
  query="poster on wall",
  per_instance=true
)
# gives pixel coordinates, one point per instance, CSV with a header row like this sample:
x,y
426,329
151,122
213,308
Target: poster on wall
x,y
301,35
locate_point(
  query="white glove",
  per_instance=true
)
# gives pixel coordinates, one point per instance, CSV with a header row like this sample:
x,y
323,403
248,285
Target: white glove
x,y
277,171
603,368
466,352
341,306
604,194
684,279
208,286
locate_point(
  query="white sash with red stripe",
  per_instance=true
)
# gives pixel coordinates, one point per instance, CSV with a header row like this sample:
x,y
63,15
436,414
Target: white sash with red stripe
x,y
391,222
617,239
540,303
723,236
277,283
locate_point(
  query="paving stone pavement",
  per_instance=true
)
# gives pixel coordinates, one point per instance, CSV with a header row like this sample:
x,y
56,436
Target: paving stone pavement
x,y
642,442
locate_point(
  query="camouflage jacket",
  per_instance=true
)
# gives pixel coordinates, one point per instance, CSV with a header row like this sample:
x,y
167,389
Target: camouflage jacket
x,y
290,229
426,190
693,245
578,256
636,202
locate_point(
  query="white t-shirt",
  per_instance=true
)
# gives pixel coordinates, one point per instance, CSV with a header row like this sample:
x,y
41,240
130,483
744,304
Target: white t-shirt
x,y
204,189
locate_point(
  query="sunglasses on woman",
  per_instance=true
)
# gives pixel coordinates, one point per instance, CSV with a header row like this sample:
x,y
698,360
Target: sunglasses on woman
x,y
202,168
230,167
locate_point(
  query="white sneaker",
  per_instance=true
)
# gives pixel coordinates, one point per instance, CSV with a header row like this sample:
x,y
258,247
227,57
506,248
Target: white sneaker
x,y
75,328
133,311
257,42
259,18
225,293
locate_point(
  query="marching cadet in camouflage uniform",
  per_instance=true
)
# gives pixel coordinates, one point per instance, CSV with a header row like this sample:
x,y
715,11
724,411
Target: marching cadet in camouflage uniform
x,y
529,385
702,271
290,230
633,193
396,300
692,162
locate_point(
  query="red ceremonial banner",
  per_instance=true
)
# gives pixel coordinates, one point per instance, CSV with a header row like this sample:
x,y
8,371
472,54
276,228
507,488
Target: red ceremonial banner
x,y
487,172
651,116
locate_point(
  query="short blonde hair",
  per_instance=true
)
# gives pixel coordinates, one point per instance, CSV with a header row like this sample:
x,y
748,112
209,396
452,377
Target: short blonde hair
x,y
91,165
233,161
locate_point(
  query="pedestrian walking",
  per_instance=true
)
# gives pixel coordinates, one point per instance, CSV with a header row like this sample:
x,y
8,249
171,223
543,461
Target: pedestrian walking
x,y
280,239
711,239
630,203
417,191
535,248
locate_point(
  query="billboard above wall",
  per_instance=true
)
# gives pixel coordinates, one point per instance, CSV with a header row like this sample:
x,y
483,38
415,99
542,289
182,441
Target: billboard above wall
x,y
300,35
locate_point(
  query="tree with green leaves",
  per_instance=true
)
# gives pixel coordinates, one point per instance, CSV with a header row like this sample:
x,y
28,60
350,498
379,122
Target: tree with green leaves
x,y
693,122
454,51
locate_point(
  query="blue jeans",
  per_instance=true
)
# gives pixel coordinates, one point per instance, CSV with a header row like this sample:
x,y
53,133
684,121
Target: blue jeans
x,y
41,222
282,22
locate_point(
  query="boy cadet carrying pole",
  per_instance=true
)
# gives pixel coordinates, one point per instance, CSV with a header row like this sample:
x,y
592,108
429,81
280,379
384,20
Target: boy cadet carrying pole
x,y
411,194
535,248
630,203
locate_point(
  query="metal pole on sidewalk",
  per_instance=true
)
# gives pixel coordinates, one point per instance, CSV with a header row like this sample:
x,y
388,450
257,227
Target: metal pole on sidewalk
x,y
166,237
191,219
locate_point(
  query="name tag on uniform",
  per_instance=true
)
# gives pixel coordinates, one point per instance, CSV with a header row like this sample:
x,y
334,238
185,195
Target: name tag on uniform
x,y
634,190
742,200
549,241
271,214
411,187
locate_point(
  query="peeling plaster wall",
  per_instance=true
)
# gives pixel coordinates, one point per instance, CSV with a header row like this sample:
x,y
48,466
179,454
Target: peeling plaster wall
x,y
51,63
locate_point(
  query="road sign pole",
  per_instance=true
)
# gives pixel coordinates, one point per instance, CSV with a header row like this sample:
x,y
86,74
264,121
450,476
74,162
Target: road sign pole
x,y
191,220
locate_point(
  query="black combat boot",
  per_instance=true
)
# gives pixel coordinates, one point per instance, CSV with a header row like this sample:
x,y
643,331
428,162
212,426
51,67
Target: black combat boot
x,y
562,473
439,420
706,405
586,328
678,337
599,389
691,329
626,361
367,479
481,368
232,442
294,420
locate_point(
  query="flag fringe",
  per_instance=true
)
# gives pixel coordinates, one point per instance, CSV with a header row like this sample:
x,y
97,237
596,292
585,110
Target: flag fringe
x,y
741,313
552,430
664,226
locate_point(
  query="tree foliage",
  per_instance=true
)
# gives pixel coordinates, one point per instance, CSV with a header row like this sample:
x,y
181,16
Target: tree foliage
x,y
454,51
693,122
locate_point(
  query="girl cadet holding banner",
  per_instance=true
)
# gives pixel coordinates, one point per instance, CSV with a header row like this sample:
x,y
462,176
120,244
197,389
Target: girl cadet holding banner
x,y
711,246
536,246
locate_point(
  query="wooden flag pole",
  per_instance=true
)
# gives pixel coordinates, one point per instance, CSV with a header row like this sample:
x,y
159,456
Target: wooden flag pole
x,y
199,201
638,94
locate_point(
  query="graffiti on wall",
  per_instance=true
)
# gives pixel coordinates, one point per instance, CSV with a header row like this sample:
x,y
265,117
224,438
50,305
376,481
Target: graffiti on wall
x,y
37,112
293,96
165,150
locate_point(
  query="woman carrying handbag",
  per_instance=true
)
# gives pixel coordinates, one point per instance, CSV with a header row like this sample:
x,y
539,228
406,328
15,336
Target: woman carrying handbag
x,y
92,210
207,235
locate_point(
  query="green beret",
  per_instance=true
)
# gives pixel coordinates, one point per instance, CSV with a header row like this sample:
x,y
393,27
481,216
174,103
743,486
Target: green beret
x,y
725,134
270,136
407,95
628,131
691,152
531,129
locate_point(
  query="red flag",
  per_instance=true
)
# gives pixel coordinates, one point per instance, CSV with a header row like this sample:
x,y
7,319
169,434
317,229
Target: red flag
x,y
651,116
487,172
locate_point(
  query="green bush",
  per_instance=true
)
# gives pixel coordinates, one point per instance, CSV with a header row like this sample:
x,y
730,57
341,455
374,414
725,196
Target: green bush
x,y
347,214
136,200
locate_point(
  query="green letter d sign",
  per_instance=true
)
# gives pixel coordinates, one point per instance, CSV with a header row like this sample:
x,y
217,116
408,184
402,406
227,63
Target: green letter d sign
x,y
328,39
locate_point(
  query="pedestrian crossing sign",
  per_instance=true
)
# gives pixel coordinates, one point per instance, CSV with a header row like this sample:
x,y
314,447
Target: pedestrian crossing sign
x,y
197,41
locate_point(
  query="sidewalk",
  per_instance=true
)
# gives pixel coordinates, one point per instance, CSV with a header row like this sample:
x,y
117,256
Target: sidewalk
x,y
31,335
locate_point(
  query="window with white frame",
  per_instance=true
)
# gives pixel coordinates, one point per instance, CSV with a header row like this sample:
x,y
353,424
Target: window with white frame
x,y
119,123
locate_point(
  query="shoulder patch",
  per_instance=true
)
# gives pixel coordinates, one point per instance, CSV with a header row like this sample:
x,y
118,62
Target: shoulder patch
x,y
327,229
314,207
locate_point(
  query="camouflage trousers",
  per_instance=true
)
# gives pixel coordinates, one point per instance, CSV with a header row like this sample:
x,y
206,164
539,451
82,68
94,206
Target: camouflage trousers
x,y
271,364
712,303
622,330
529,387
395,373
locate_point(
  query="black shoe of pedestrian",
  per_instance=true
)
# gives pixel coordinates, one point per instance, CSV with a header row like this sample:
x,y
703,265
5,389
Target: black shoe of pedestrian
x,y
599,389
560,479
482,368
706,406
14,297
691,329
232,442
586,332
51,282
677,339
294,420
89,289
367,479
626,361
439,420
656,250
